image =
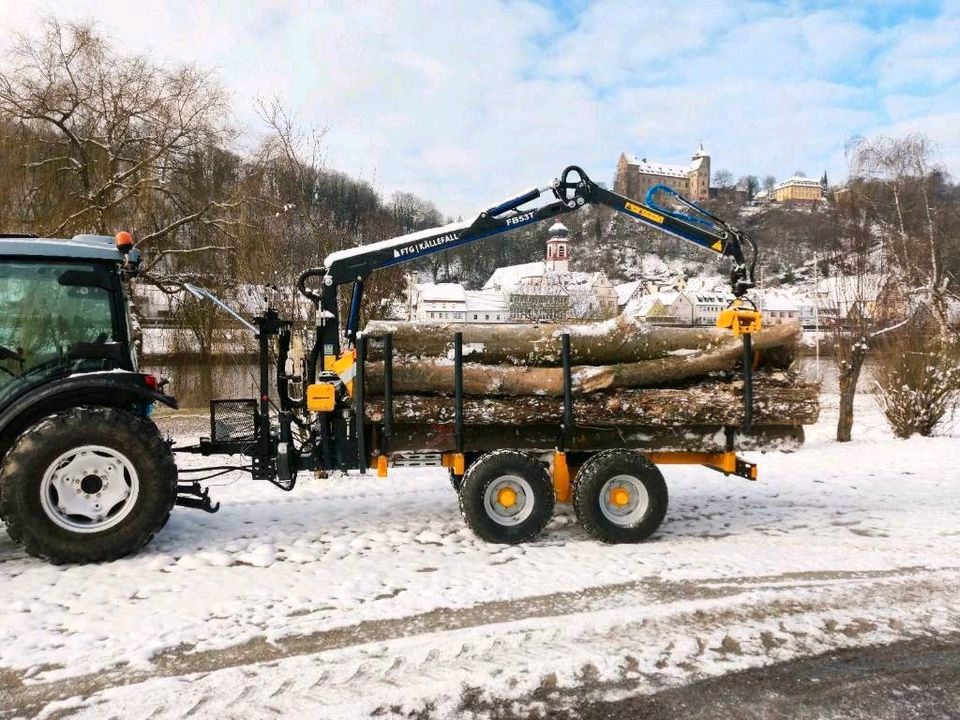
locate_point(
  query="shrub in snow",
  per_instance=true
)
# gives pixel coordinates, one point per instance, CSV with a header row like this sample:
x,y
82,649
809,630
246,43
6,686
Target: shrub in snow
x,y
917,380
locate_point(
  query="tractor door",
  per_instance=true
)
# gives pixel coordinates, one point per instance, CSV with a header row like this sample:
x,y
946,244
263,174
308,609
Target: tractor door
x,y
57,318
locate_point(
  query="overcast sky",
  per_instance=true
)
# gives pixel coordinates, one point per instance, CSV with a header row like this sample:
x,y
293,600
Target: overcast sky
x,y
465,102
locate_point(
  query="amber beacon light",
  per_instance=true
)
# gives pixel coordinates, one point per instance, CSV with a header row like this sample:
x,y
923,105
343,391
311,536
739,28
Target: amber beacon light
x,y
124,241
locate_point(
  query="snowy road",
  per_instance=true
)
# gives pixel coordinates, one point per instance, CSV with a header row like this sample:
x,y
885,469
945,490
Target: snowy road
x,y
357,595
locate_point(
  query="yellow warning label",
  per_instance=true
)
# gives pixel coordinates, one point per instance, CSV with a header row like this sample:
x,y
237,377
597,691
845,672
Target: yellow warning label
x,y
643,212
718,246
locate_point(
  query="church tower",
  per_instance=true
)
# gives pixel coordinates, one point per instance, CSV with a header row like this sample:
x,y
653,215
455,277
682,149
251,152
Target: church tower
x,y
558,253
699,175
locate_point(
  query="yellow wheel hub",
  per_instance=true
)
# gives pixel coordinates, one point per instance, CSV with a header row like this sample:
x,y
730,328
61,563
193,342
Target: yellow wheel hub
x,y
507,497
620,497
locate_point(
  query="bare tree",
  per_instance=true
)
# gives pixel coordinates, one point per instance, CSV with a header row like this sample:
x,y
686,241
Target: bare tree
x,y
118,133
723,179
862,303
751,184
917,223
769,182
309,212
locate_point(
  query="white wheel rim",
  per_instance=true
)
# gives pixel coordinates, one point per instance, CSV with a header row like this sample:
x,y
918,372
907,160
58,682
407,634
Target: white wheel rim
x,y
624,500
508,500
89,489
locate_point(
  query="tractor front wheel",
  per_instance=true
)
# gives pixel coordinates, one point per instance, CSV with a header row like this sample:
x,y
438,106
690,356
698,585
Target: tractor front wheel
x,y
87,484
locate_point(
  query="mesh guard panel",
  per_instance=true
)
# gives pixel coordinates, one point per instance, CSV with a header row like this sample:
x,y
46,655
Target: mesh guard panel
x,y
233,420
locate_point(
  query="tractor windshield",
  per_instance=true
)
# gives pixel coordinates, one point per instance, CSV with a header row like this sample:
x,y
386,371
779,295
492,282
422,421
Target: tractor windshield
x,y
55,318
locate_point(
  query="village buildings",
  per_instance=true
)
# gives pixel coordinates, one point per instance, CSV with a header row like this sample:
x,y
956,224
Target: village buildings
x,y
800,189
545,290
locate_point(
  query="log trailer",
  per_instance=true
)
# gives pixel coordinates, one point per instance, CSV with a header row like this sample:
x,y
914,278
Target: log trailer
x,y
87,476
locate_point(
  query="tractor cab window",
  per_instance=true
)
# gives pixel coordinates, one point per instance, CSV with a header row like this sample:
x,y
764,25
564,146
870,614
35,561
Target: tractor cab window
x,y
55,318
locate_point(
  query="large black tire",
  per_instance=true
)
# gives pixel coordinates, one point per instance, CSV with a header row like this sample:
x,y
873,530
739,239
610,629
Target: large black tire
x,y
644,495
532,507
39,450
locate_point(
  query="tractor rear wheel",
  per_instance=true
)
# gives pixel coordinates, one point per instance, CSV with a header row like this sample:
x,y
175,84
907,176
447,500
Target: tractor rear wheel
x,y
619,496
506,496
87,484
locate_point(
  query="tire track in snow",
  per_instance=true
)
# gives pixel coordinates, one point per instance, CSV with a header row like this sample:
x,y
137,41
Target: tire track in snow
x,y
699,608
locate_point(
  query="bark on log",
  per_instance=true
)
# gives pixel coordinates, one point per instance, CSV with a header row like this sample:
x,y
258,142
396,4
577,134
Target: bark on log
x,y
776,402
543,438
613,341
436,375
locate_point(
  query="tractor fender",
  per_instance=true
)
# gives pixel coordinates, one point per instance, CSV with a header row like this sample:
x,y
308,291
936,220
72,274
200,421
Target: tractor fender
x,y
112,388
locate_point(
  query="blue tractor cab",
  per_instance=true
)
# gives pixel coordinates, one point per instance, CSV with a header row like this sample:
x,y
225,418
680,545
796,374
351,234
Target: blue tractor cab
x,y
85,474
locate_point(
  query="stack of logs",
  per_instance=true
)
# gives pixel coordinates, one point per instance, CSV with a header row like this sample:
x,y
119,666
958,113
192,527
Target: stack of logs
x,y
634,385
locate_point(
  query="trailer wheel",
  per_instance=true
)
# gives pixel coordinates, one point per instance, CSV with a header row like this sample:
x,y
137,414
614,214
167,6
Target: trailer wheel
x,y
506,496
88,484
619,496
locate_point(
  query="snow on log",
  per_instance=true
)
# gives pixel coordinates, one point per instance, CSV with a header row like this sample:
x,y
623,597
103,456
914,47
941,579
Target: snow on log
x,y
435,375
619,340
779,399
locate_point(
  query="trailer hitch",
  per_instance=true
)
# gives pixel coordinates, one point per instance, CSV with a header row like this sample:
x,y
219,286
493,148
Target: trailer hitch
x,y
191,495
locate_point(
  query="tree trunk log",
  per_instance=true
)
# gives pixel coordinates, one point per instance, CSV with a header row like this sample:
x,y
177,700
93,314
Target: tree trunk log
x,y
433,375
777,401
620,340
543,438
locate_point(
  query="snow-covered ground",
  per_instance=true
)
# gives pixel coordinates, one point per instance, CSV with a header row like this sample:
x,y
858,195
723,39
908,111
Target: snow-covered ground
x,y
358,595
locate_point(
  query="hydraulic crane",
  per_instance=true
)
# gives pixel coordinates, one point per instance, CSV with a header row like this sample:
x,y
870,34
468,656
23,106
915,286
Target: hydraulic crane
x,y
328,365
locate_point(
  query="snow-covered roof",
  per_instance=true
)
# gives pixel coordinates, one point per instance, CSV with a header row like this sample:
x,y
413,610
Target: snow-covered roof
x,y
655,168
669,297
533,286
575,278
641,306
626,291
506,278
441,292
797,180
778,302
558,228
485,301
707,298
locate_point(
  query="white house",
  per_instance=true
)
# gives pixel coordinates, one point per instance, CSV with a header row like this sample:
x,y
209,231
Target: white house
x,y
438,302
706,306
677,305
484,306
779,308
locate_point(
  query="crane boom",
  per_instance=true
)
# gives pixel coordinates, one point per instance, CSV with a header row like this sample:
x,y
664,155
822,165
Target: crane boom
x,y
572,191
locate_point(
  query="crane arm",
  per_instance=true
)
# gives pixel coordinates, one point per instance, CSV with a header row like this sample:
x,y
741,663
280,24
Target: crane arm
x,y
703,228
572,191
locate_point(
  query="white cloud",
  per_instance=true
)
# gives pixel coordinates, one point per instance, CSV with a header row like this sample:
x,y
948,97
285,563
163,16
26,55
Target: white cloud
x,y
465,102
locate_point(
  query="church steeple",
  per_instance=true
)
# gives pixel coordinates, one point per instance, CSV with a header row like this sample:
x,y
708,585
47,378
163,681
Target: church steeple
x,y
558,253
